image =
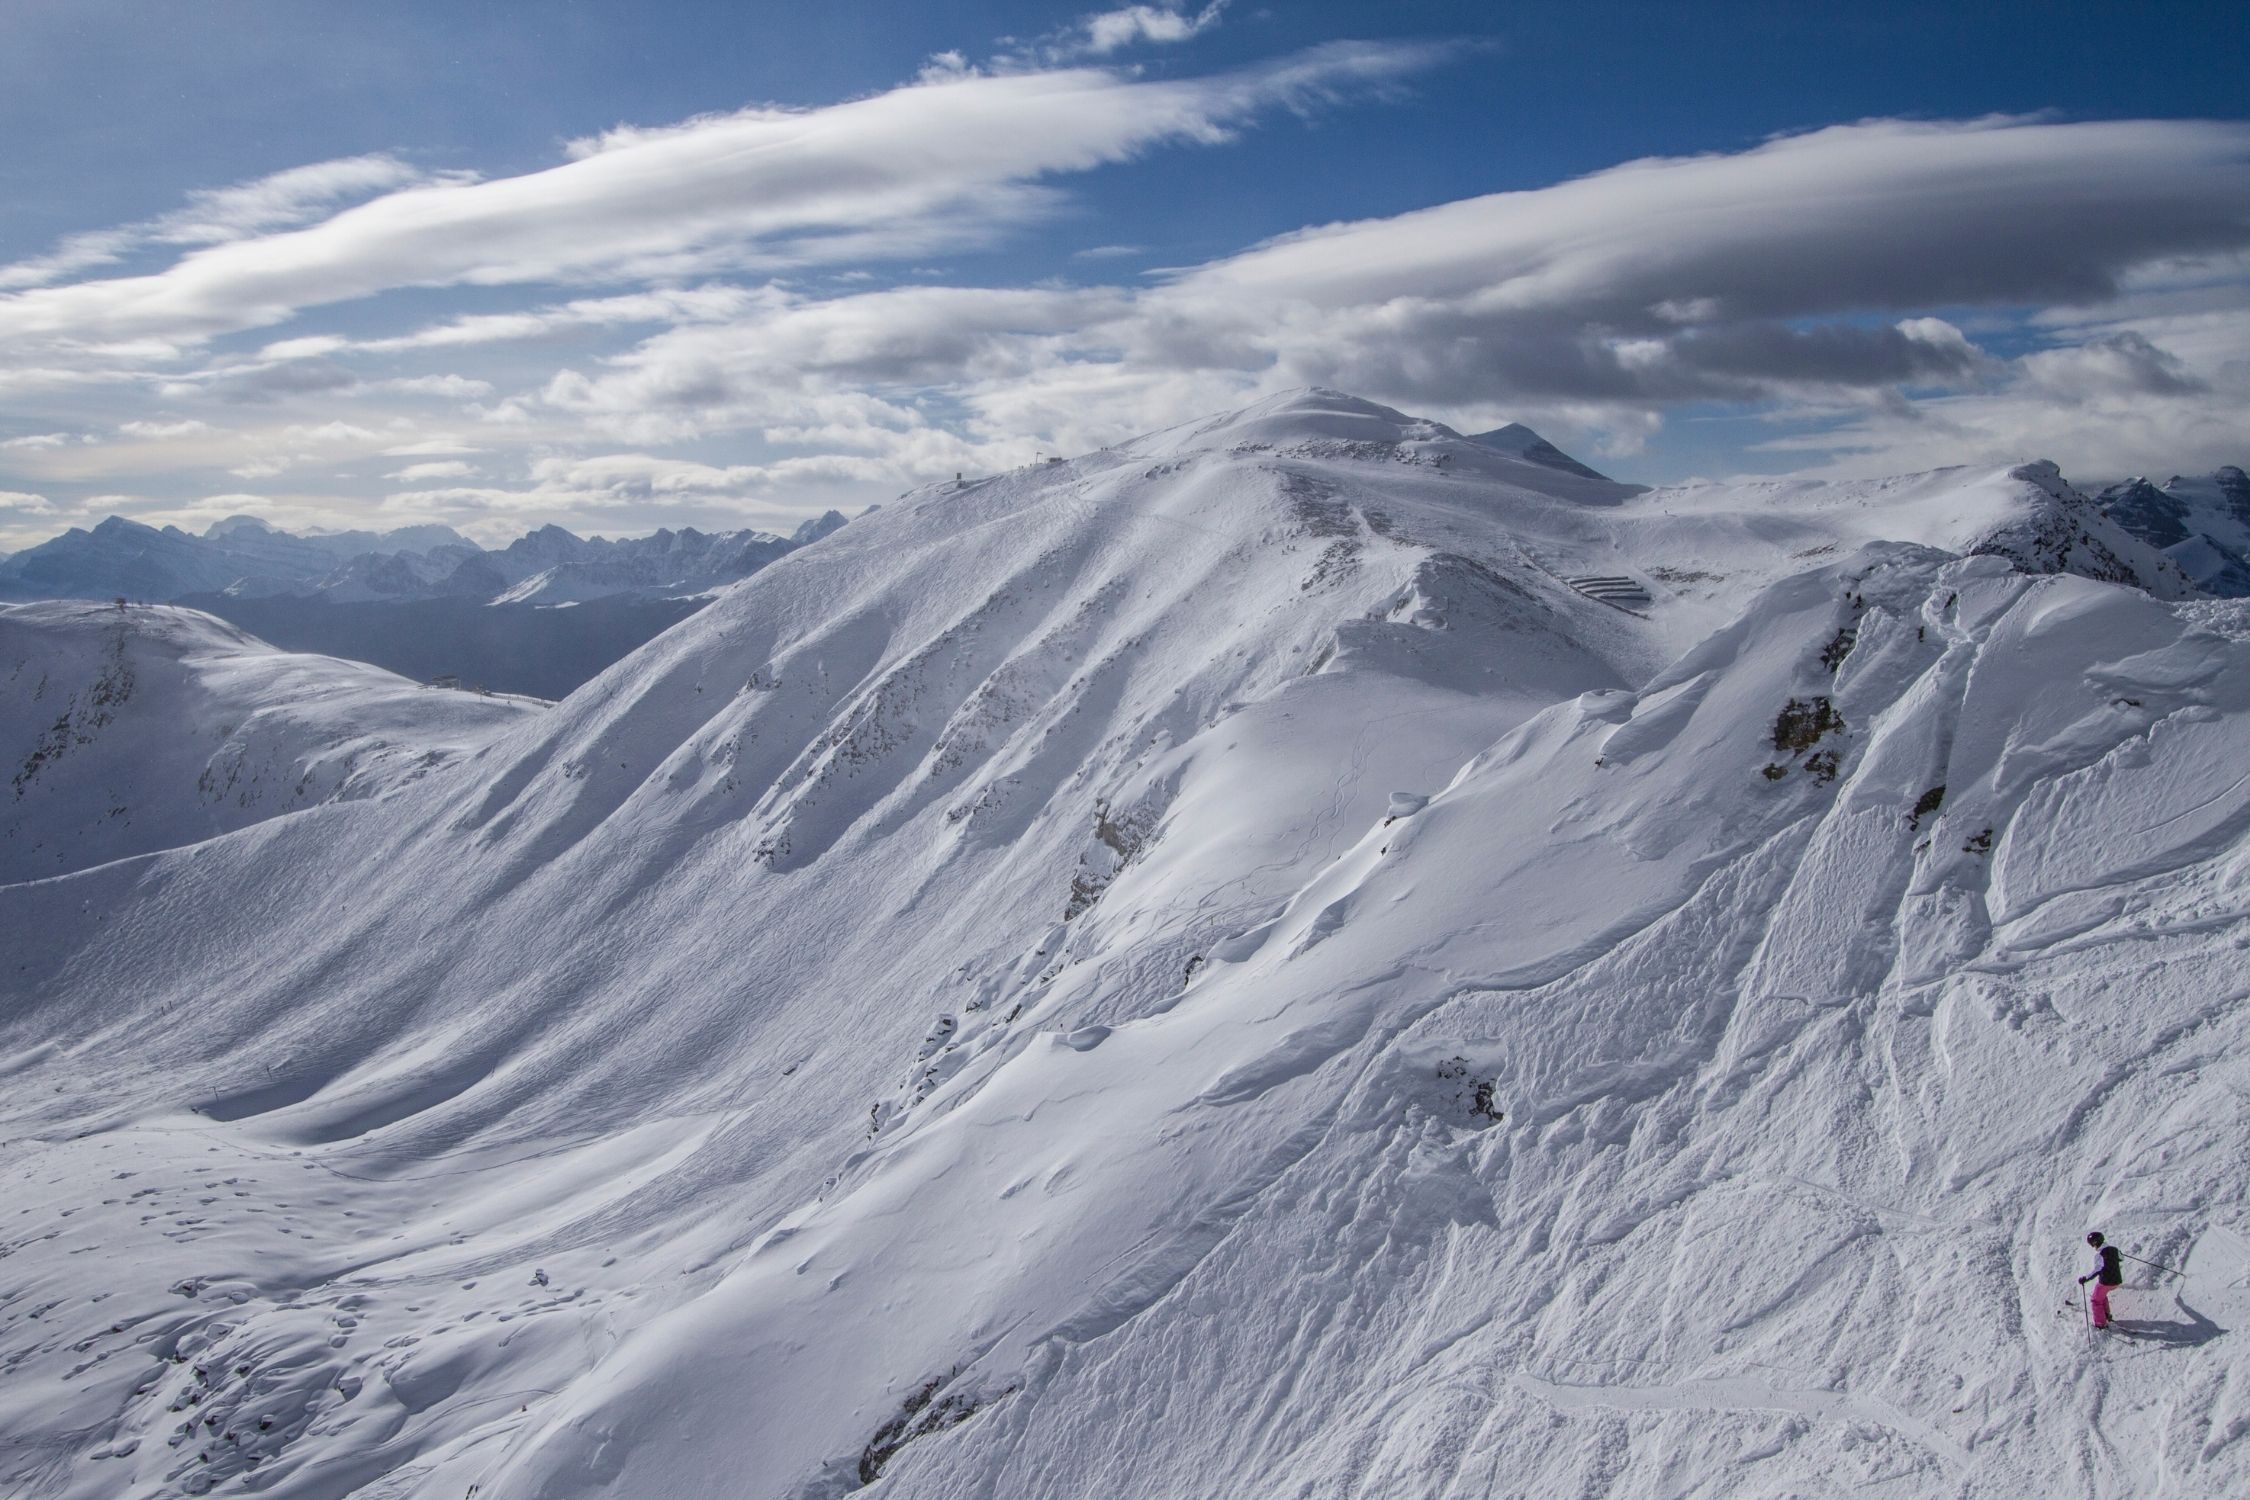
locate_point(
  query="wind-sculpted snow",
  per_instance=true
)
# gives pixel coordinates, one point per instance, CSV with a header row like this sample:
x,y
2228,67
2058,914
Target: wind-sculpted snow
x,y
1207,969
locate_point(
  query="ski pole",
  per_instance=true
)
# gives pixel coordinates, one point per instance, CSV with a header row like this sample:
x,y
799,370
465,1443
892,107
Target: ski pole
x,y
2167,1270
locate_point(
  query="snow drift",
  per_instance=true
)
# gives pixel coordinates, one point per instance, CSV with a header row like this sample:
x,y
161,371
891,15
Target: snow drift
x,y
1214,965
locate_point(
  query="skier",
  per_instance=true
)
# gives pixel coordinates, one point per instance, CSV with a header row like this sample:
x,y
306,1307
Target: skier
x,y
2107,1273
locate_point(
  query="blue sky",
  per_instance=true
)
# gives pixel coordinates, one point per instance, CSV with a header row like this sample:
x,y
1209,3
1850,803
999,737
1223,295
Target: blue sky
x,y
344,266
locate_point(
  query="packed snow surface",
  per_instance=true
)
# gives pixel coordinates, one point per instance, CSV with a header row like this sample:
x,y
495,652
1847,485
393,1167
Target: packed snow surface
x,y
1213,966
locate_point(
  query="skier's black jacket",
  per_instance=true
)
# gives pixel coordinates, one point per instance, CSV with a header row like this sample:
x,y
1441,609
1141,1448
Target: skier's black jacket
x,y
2107,1270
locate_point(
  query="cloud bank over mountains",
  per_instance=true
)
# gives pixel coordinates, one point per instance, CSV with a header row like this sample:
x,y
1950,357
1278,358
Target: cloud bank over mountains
x,y
763,294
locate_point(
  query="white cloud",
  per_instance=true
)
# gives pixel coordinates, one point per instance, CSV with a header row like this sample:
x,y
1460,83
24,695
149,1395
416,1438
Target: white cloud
x,y
456,387
1803,271
438,445
26,519
808,372
313,347
37,440
444,469
626,476
2119,364
2119,403
939,164
1111,30
1856,280
1097,34
266,452
1721,277
215,215
702,304
182,428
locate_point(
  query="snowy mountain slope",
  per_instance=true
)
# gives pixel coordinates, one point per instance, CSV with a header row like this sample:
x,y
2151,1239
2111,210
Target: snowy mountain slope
x,y
1773,1193
2200,522
968,1010
131,730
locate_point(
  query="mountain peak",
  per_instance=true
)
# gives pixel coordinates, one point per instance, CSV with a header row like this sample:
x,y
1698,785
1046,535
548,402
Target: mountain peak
x,y
1519,441
819,526
1307,414
233,525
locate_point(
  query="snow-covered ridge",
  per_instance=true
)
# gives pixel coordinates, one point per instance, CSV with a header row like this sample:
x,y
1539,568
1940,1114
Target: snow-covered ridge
x,y
1210,964
149,727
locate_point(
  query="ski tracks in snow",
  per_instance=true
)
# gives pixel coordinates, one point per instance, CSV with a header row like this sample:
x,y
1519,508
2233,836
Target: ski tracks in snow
x,y
1744,1393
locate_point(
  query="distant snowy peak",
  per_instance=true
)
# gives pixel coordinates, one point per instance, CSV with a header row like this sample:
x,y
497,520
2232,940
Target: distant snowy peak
x,y
819,526
241,554
252,530
230,526
1523,443
686,561
247,557
120,557
394,575
2200,522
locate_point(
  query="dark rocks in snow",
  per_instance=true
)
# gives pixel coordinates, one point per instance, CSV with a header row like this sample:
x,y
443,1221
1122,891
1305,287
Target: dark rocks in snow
x,y
1803,721
923,1413
1470,1095
2068,533
1115,843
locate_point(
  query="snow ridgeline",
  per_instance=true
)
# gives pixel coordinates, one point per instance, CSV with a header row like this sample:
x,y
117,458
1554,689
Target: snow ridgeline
x,y
702,1091
132,729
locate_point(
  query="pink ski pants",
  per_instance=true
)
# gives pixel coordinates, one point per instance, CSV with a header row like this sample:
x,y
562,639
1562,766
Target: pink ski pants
x,y
2100,1305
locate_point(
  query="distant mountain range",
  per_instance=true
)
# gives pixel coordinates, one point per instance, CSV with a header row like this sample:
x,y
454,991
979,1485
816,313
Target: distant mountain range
x,y
2201,522
244,557
423,601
